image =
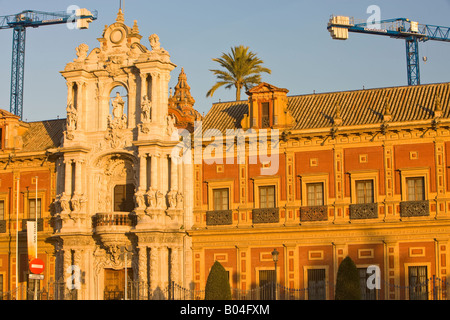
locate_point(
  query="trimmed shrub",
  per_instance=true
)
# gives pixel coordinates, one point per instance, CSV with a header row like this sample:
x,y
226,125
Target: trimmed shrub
x,y
347,281
217,285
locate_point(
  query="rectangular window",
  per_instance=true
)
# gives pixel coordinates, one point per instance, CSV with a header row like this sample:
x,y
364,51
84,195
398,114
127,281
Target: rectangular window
x,y
418,286
267,197
315,194
267,284
364,191
316,284
366,293
32,208
416,190
1,286
220,199
265,119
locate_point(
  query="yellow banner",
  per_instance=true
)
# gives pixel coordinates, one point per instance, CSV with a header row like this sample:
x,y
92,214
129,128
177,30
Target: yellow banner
x,y
31,240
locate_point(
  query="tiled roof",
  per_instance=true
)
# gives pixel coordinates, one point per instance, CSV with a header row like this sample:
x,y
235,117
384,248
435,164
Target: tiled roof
x,y
359,107
43,135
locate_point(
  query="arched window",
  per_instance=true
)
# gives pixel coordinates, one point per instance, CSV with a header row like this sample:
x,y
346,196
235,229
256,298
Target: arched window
x,y
124,198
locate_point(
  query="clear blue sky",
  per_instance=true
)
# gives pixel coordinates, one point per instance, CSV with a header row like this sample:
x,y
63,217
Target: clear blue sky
x,y
289,35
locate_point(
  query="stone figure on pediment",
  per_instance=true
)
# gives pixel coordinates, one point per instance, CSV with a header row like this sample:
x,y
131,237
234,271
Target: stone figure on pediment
x,y
82,51
154,42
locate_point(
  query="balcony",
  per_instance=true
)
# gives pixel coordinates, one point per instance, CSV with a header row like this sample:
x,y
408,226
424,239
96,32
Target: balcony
x,y
314,213
266,215
364,211
113,219
415,208
219,218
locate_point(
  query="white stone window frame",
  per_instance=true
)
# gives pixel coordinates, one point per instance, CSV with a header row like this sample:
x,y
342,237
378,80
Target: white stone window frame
x,y
266,182
419,172
220,184
306,179
362,175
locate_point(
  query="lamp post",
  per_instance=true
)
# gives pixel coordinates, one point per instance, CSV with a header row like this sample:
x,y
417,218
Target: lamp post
x,y
275,254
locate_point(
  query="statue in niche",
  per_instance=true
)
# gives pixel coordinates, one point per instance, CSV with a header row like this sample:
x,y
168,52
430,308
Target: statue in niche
x,y
146,109
118,106
120,119
71,121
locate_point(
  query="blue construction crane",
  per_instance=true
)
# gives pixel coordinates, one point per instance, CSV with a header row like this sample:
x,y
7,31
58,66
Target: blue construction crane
x,y
410,31
78,18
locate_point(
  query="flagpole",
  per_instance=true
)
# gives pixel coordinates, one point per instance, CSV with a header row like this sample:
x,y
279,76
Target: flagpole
x,y
36,216
17,238
36,281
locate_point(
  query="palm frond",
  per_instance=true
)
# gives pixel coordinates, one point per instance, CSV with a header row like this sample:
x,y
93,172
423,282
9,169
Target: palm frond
x,y
242,69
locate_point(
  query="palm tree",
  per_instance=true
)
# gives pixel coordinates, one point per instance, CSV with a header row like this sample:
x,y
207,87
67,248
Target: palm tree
x,y
242,69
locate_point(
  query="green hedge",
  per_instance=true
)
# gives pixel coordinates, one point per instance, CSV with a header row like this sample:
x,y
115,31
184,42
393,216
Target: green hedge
x,y
347,281
217,285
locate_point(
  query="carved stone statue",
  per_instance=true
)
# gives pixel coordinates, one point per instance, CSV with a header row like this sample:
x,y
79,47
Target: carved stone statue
x,y
120,119
159,199
151,198
170,124
64,202
75,202
179,200
154,42
146,110
118,106
172,198
71,121
139,199
82,51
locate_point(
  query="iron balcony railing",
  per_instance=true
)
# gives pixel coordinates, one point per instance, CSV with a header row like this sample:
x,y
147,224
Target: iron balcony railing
x,y
219,218
266,215
364,211
414,208
314,213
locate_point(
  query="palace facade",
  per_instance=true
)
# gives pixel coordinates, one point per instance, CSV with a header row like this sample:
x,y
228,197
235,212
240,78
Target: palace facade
x,y
358,173
315,177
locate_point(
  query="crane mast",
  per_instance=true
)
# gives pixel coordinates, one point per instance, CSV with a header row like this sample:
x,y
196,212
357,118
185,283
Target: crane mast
x,y
30,18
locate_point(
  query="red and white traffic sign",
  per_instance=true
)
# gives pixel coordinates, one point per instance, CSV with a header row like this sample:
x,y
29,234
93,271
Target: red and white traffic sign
x,y
37,266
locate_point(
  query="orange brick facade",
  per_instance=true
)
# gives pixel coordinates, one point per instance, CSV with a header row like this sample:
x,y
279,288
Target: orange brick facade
x,y
394,239
21,170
